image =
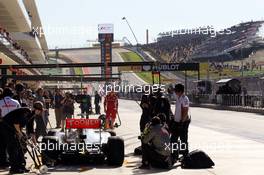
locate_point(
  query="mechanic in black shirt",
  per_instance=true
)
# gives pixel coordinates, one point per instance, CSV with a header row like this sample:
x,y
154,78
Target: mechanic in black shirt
x,y
15,139
97,101
58,97
152,103
146,113
11,125
86,106
162,105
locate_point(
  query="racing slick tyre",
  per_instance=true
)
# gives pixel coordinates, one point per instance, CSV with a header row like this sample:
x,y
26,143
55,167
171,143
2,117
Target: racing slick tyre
x,y
115,151
50,150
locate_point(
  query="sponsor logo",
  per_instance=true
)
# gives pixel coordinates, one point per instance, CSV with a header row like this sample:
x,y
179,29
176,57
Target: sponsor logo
x,y
83,123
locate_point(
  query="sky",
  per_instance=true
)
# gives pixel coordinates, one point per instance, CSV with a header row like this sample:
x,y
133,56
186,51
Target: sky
x,y
72,23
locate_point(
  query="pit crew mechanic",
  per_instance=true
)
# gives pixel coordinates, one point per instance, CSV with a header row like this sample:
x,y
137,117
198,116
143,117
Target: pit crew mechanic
x,y
10,139
111,108
181,121
11,132
86,105
97,101
154,139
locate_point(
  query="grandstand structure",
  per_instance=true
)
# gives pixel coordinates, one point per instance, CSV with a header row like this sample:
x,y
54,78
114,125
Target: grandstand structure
x,y
20,42
205,44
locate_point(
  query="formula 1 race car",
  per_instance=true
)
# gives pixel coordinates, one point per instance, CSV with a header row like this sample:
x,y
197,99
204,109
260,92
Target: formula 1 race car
x,y
85,139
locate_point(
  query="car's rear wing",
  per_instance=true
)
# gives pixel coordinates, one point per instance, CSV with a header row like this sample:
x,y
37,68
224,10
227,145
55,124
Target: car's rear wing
x,y
83,123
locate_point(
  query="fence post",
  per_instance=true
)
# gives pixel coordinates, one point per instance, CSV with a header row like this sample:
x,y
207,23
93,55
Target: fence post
x,y
243,99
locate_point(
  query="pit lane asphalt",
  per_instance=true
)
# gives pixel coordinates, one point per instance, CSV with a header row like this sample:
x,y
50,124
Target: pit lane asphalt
x,y
233,140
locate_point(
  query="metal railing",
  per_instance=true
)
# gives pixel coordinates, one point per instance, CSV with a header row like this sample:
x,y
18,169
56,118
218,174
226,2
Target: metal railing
x,y
247,101
224,100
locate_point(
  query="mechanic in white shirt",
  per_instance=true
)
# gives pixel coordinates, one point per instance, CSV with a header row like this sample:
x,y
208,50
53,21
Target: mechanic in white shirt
x,y
180,123
182,108
8,104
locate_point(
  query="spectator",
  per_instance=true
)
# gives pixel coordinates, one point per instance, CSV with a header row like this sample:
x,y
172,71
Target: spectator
x,y
201,47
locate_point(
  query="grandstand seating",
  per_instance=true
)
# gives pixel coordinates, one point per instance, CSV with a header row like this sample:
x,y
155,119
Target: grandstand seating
x,y
240,42
4,36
